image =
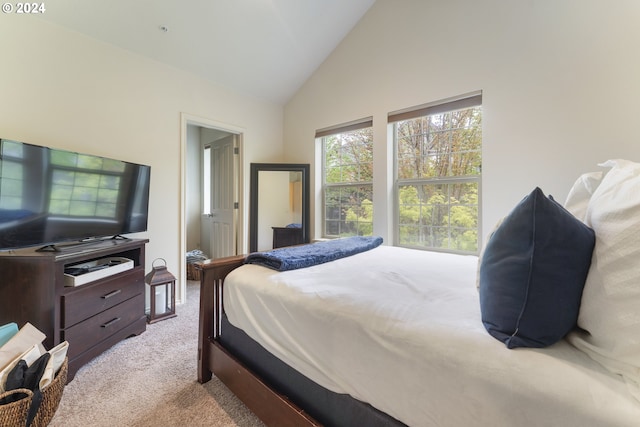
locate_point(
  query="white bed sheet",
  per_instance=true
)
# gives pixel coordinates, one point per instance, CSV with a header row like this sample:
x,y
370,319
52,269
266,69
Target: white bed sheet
x,y
401,330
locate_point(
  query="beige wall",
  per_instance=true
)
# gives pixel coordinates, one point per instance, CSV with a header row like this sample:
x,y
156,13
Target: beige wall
x,y
559,79
61,89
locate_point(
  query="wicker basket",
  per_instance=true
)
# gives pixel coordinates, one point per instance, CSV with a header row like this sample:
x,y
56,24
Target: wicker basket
x,y
15,414
192,273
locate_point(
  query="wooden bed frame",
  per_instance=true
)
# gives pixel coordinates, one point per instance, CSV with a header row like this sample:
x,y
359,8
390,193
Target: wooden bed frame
x,y
273,408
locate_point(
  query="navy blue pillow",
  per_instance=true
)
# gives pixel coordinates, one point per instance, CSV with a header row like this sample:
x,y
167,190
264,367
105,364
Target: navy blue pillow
x,y
533,272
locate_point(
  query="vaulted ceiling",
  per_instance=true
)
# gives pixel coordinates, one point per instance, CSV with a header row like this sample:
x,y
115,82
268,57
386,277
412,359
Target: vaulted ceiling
x,y
261,48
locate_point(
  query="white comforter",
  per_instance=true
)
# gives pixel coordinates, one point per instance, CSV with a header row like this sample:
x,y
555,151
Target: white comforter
x,y
401,330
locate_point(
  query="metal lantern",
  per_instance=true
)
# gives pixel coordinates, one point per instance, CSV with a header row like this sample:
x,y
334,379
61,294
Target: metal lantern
x,y
161,286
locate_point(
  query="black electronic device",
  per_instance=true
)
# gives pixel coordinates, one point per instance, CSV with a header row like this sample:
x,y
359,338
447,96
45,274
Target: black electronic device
x,y
50,196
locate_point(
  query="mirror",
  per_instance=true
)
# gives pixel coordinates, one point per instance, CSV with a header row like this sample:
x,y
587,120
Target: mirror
x,y
279,205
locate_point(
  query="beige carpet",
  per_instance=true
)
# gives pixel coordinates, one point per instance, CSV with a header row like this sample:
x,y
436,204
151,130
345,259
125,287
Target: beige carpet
x,y
150,380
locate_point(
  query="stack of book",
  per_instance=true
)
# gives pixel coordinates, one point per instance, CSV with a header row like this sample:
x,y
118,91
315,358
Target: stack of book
x,y
25,365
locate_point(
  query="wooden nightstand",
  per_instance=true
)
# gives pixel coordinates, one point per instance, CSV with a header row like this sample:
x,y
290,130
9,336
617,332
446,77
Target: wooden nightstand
x,y
286,236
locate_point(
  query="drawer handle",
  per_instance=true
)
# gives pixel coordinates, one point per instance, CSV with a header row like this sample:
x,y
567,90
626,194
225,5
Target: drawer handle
x,y
110,322
111,294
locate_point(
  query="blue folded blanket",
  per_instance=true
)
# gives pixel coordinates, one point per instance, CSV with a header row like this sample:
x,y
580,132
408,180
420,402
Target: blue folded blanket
x,y
293,257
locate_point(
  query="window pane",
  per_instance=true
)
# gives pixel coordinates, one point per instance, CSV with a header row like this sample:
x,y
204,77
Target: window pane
x,y
349,211
439,216
445,145
348,192
333,175
348,157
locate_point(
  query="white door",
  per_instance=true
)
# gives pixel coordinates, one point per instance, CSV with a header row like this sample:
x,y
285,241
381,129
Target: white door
x,y
219,219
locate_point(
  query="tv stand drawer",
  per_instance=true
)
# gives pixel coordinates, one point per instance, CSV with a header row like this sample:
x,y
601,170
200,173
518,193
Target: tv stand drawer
x,y
87,300
90,332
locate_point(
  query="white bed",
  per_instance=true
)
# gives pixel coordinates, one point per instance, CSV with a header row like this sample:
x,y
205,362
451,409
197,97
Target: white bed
x,y
401,329
550,337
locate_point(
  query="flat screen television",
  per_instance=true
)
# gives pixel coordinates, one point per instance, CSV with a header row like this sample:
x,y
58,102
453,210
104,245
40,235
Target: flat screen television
x,y
50,196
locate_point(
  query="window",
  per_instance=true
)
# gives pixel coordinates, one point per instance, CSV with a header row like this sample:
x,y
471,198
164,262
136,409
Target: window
x,y
347,184
438,168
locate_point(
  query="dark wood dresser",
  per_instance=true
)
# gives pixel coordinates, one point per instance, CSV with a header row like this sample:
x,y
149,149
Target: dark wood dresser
x,y
92,317
286,236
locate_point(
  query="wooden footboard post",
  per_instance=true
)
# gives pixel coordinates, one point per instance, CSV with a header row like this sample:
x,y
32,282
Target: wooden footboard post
x,y
212,274
271,407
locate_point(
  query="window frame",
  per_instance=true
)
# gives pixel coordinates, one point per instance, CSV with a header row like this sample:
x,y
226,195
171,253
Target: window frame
x,y
321,136
439,107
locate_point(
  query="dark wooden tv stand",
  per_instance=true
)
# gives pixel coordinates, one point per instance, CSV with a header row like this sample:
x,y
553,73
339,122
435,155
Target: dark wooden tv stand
x,y
91,317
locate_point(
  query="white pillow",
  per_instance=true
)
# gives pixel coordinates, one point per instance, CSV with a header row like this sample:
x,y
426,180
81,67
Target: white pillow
x,y
610,308
581,192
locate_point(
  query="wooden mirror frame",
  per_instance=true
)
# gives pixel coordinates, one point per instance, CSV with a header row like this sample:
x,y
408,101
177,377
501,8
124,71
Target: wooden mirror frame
x,y
303,168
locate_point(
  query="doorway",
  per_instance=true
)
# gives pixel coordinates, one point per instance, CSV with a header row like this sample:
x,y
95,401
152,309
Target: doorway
x,y
212,218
